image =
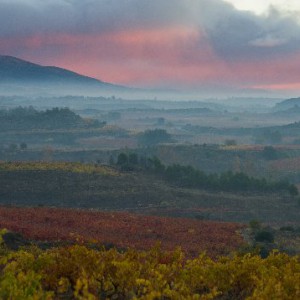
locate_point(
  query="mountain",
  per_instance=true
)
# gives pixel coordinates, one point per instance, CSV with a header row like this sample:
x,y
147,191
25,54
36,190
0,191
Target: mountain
x,y
18,74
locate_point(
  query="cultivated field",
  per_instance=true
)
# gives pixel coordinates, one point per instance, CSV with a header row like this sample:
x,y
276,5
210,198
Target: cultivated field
x,y
123,230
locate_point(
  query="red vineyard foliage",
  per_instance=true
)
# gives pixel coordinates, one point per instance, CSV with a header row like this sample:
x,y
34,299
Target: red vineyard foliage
x,y
123,229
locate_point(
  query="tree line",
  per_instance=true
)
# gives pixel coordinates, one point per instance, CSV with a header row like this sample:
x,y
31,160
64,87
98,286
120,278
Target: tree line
x,y
190,177
26,118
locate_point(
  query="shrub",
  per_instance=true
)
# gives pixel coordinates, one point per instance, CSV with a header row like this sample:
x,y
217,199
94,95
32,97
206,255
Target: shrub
x,y
269,153
287,228
122,159
255,225
154,137
264,236
230,143
293,190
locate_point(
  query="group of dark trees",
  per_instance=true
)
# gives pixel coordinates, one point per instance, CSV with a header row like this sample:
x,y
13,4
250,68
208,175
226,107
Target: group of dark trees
x,y
154,137
14,147
188,176
26,118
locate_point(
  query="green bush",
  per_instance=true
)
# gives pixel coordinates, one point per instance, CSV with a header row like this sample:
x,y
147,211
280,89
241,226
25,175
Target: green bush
x,y
264,236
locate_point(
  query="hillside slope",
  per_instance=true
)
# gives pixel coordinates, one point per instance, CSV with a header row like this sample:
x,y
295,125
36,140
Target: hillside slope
x,y
88,186
23,75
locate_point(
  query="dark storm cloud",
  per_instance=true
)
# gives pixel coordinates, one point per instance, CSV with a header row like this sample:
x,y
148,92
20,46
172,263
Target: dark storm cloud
x,y
238,35
234,35
26,18
78,16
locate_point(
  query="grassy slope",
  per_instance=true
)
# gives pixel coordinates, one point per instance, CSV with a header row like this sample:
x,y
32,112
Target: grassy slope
x,y
94,188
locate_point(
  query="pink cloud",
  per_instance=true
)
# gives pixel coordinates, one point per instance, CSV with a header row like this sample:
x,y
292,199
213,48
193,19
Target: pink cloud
x,y
275,73
171,56
137,57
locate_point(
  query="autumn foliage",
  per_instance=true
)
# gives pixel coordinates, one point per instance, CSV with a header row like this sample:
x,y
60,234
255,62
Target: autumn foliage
x,y
122,229
73,167
78,272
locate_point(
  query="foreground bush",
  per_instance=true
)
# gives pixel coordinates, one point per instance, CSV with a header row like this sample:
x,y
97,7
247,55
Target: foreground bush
x,y
78,272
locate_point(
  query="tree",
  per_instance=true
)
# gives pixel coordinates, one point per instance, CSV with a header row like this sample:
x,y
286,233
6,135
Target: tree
x,y
264,236
23,146
156,165
111,160
293,190
230,142
269,153
154,137
133,159
122,159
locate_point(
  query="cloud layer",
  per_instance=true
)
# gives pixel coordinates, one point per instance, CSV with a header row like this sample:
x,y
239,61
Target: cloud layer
x,y
192,43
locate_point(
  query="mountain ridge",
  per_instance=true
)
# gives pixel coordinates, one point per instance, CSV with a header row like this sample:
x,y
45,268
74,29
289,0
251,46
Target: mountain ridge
x,y
14,70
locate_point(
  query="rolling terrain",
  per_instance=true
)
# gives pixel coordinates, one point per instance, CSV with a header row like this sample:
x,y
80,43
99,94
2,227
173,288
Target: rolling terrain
x,y
76,185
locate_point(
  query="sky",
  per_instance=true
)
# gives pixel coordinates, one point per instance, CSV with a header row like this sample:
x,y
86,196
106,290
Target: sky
x,y
205,45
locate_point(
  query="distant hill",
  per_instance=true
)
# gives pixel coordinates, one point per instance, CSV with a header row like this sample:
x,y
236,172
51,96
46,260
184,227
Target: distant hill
x,y
22,75
27,118
288,104
292,111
